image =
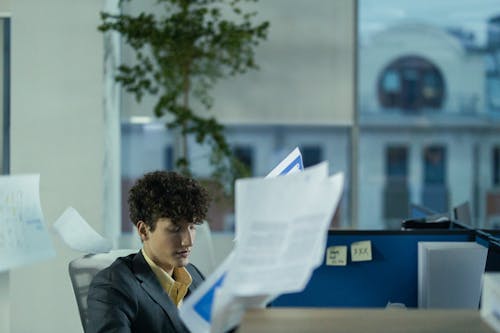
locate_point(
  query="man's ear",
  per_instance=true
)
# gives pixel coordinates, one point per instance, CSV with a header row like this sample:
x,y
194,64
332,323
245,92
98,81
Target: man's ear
x,y
142,229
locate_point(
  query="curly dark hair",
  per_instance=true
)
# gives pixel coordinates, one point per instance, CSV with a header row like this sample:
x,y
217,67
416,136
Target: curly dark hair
x,y
164,194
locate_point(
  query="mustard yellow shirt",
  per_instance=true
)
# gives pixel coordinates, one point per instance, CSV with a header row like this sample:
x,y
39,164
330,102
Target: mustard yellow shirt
x,y
176,288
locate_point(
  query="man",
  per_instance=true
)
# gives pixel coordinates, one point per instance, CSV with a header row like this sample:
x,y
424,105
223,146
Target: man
x,y
142,292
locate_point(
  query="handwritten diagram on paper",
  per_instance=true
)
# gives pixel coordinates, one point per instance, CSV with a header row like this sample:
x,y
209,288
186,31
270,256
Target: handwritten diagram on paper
x,y
23,236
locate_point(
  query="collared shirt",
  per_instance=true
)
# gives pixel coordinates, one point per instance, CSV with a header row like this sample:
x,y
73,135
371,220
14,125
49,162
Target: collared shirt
x,y
177,286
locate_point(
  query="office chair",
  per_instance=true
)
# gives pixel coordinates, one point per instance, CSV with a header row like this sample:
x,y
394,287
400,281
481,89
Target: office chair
x,y
83,269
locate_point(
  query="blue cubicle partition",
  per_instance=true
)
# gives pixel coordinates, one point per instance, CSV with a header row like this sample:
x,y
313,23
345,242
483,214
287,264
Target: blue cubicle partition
x,y
392,275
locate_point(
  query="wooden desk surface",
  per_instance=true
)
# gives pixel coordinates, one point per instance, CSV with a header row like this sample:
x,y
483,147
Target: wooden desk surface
x,y
288,320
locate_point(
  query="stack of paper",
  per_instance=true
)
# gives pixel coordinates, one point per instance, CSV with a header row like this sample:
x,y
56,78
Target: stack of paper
x,y
281,233
490,301
449,274
283,227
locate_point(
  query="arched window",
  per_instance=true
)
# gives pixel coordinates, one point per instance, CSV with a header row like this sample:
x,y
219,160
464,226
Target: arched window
x,y
411,83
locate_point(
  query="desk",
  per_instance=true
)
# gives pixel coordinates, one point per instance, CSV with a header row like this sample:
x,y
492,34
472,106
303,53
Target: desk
x,y
289,320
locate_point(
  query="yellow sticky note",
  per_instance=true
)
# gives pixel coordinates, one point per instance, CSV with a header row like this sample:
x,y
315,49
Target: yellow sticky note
x,y
336,255
361,251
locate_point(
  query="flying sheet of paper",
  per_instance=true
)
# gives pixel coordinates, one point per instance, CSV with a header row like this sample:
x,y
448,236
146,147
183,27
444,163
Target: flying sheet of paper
x,y
290,164
284,224
316,173
78,234
229,309
285,230
24,237
196,311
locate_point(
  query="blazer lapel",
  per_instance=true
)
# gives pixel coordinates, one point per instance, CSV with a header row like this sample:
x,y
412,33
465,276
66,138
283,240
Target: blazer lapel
x,y
153,288
196,279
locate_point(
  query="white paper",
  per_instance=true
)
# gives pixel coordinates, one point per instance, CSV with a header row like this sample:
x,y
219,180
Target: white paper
x,y
284,230
490,300
290,164
24,237
449,274
229,309
284,223
212,308
78,234
198,310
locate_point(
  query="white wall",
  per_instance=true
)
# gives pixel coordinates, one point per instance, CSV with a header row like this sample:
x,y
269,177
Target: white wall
x,y
57,130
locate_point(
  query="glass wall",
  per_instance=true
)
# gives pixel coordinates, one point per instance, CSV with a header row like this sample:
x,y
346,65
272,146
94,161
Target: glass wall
x,y
302,96
408,108
428,108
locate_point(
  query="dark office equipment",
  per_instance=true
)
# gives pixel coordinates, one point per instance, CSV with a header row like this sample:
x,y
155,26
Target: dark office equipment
x,y
422,217
422,223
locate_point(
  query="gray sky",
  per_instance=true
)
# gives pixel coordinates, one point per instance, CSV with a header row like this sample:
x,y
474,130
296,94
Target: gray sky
x,y
375,15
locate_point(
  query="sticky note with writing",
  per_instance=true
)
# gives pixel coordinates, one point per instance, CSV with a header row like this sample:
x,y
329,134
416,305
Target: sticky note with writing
x,y
336,256
361,251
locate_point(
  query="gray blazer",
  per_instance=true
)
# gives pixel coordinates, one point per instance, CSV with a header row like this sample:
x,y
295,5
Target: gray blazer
x,y
127,297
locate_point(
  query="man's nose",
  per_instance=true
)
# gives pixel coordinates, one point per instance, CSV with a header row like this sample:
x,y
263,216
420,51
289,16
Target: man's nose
x,y
187,238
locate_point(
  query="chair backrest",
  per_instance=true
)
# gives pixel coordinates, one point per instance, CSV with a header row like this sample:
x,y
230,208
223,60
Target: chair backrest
x,y
82,270
202,255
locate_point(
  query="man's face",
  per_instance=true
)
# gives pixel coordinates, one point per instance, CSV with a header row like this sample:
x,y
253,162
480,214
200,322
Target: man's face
x,y
169,245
